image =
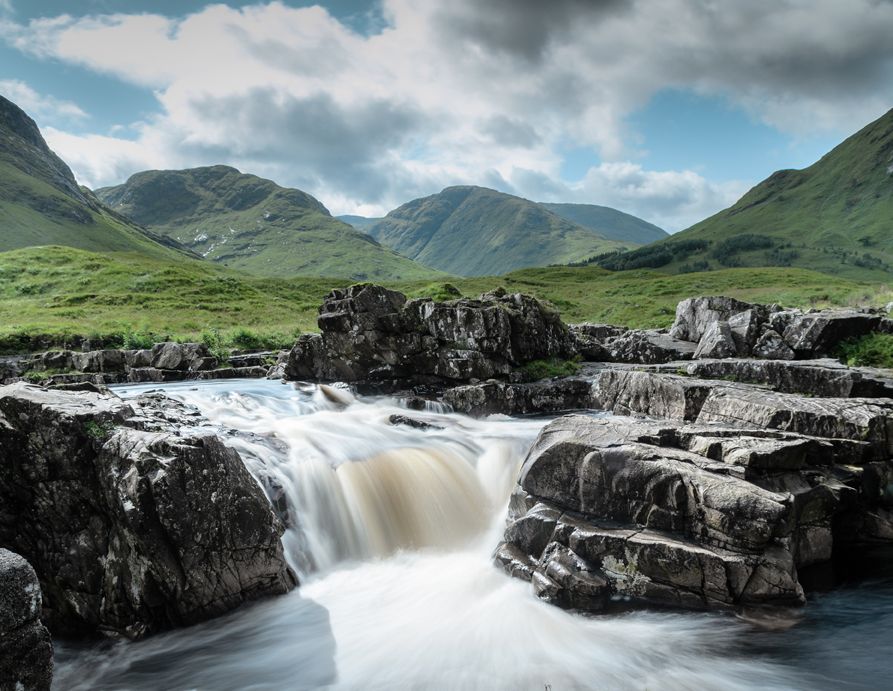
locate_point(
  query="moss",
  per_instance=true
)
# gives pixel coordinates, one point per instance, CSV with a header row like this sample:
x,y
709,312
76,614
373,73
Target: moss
x,y
553,367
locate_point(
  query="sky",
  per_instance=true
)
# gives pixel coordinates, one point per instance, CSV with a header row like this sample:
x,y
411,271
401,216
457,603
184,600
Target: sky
x,y
666,109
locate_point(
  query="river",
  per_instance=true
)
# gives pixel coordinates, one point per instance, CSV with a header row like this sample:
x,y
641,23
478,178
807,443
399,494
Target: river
x,y
392,530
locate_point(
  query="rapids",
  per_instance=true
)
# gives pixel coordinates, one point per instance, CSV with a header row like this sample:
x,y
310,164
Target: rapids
x,y
391,528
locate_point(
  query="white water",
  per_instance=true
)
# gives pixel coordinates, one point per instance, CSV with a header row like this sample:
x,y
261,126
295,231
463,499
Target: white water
x,y
394,528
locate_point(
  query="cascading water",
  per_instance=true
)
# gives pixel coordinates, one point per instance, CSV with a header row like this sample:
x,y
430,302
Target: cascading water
x,y
391,528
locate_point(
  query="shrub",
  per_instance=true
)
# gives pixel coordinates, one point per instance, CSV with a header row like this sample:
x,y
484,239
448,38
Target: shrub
x,y
553,367
874,350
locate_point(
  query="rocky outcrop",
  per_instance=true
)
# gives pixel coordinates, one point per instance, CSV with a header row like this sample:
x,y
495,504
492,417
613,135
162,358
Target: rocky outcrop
x,y
166,361
370,333
688,515
605,343
26,651
134,520
550,396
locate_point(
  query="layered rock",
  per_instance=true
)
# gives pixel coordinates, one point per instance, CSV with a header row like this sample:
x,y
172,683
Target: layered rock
x,y
134,523
372,334
700,515
550,396
166,361
26,651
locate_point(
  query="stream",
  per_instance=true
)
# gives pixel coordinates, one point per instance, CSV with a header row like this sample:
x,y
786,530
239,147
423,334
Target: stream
x,y
391,531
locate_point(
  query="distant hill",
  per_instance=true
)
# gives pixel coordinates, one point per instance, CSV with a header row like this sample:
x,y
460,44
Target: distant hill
x,y
249,223
835,216
608,222
359,222
475,231
42,204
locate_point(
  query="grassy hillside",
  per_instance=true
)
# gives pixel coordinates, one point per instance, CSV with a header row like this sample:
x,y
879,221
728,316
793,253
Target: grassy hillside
x,y
48,294
474,231
608,222
41,203
252,224
834,216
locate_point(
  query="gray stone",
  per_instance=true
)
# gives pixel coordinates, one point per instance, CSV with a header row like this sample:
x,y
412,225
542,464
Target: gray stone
x,y
170,527
771,346
549,396
717,342
26,651
694,316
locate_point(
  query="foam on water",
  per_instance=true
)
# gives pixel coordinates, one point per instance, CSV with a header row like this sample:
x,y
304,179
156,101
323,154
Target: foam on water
x,y
392,531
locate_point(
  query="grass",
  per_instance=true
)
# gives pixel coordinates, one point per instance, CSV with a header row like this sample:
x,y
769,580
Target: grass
x,y
52,296
874,350
833,216
553,367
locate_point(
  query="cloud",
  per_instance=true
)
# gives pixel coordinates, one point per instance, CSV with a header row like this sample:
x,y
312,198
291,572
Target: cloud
x,y
37,104
466,92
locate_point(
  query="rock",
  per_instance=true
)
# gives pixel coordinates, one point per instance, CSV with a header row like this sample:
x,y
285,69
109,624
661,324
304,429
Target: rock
x,y
868,420
182,356
549,396
412,422
717,342
170,527
746,328
372,334
26,651
630,392
617,508
771,346
648,347
694,316
823,378
818,334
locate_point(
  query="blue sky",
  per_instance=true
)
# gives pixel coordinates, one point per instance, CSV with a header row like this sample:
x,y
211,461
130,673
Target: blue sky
x,y
669,109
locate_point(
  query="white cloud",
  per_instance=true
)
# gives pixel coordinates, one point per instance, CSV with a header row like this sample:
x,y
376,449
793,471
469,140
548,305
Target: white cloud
x,y
466,92
37,104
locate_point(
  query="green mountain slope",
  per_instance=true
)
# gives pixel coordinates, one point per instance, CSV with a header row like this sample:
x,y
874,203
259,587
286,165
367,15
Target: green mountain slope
x,y
42,204
608,222
473,231
252,224
835,216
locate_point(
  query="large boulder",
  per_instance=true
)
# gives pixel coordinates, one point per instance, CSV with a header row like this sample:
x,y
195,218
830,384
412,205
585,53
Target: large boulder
x,y
370,333
818,334
550,396
134,521
611,508
26,651
695,316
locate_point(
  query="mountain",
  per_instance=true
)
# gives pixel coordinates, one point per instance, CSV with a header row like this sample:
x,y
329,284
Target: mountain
x,y
42,204
609,223
359,222
835,216
249,223
475,231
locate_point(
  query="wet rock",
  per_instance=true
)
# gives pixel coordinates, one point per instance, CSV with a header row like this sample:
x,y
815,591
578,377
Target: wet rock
x,y
657,513
26,651
411,422
548,396
169,526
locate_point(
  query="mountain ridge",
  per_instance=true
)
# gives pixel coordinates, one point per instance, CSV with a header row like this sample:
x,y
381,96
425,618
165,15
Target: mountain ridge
x,y
253,224
472,231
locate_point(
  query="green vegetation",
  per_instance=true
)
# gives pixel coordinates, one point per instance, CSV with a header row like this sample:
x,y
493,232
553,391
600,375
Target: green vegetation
x,y
474,231
49,296
834,216
609,223
100,431
553,367
874,350
41,203
254,225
